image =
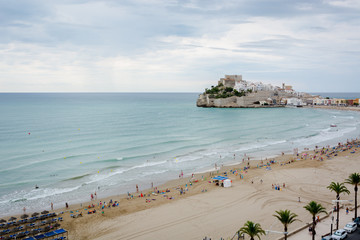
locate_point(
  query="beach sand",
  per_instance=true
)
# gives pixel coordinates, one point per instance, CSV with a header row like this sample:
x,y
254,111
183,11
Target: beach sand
x,y
220,212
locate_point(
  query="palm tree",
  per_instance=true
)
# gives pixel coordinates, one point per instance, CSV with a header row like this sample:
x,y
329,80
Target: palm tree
x,y
286,217
314,208
252,229
338,188
354,179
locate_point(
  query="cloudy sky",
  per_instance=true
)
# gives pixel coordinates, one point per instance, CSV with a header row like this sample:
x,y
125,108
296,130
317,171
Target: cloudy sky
x,y
177,45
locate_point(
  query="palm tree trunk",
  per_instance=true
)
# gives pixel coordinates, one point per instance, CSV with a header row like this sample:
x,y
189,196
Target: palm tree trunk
x,y
285,230
356,189
313,228
337,212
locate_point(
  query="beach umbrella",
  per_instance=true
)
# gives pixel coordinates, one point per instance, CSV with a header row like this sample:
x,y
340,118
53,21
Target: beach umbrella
x,y
12,218
24,216
34,214
45,212
2,220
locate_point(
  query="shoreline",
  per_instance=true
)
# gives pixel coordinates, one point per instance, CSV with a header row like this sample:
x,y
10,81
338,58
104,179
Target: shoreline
x,y
252,175
343,108
198,189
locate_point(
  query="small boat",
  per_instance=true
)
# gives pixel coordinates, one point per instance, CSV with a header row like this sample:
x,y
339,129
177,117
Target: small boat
x,y
333,125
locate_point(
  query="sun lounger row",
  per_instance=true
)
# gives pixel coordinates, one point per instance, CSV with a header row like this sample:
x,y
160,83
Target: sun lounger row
x,y
48,235
33,231
30,226
27,220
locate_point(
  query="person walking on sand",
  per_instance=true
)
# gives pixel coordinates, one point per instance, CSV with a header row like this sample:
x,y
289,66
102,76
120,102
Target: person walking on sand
x,y
52,206
24,209
347,211
66,205
137,188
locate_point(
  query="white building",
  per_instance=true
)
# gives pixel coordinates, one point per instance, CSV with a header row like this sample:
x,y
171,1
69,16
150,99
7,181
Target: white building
x,y
294,102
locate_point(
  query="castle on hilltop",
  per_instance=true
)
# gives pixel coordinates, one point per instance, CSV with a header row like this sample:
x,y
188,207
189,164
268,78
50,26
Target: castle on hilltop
x,y
233,91
236,82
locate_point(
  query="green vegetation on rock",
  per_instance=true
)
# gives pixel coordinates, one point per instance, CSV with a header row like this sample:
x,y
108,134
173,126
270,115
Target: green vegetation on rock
x,y
220,91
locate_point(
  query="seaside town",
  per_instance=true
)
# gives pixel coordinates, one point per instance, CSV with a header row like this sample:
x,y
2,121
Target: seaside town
x,y
179,120
233,91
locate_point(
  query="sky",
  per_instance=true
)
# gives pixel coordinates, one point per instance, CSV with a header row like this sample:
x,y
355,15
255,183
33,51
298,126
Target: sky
x,y
178,45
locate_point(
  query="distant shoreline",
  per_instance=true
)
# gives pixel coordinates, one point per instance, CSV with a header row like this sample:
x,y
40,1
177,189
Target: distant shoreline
x,y
343,108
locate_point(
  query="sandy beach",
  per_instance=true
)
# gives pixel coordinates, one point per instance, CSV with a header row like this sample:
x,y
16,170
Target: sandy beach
x,y
213,211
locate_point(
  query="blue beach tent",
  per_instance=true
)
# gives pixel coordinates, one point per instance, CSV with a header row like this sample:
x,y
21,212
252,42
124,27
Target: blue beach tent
x,y
220,178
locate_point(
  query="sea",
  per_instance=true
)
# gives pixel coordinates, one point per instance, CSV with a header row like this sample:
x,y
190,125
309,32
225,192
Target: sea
x,y
70,145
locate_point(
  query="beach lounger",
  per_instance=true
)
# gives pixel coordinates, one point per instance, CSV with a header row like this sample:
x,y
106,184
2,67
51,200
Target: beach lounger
x,y
50,234
40,236
29,238
60,231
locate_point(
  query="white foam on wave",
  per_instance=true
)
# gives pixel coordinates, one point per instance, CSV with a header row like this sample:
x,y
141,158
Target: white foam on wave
x,y
102,176
36,194
259,145
346,117
187,158
211,153
105,175
147,164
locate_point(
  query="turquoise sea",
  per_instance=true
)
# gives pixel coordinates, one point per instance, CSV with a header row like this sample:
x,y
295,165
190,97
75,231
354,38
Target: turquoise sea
x,y
73,144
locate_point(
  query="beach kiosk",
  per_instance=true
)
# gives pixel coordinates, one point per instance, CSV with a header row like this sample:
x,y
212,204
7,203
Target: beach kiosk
x,y
222,181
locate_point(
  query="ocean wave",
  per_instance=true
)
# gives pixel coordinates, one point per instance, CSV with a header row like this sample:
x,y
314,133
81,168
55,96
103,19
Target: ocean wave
x,y
147,164
324,135
35,194
103,175
259,145
77,177
187,158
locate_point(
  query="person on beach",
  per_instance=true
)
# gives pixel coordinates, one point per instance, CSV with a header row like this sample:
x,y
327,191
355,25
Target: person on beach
x,y
137,188
299,199
24,209
52,206
347,211
92,197
95,195
66,205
